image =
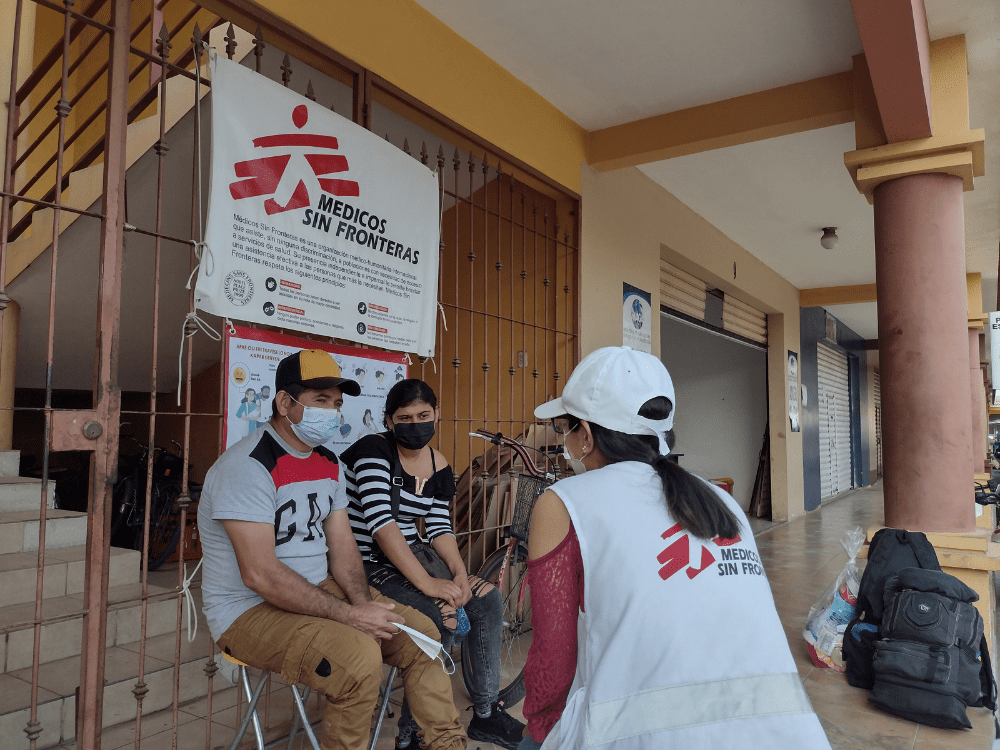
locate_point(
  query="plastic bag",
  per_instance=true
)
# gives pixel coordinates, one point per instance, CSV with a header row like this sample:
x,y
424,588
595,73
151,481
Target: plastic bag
x,y
829,616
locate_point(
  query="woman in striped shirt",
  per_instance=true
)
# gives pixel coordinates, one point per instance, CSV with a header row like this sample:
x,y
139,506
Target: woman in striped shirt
x,y
386,542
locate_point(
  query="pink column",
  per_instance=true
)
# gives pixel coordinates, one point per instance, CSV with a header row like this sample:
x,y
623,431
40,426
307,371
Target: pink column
x,y
924,353
978,404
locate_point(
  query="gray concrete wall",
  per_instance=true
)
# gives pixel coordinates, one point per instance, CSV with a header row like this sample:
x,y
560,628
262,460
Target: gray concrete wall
x,y
721,389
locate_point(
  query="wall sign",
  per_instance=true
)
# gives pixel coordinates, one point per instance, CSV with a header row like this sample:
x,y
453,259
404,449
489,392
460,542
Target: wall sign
x,y
315,224
637,319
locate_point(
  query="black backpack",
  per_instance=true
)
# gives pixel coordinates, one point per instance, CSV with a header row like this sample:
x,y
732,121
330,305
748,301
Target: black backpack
x,y
932,660
890,551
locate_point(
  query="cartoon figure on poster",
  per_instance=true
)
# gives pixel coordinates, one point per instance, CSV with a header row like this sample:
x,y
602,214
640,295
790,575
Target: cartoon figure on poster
x,y
250,411
252,358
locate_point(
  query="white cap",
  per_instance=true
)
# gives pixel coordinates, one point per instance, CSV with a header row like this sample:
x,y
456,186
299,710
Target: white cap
x,y
608,388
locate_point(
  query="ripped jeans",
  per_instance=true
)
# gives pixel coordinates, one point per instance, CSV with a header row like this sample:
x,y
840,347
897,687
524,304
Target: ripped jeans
x,y
485,612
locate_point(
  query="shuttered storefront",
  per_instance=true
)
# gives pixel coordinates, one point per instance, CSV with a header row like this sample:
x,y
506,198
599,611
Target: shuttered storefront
x,y
834,422
680,292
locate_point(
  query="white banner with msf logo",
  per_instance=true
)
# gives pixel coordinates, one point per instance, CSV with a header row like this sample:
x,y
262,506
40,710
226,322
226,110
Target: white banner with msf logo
x,y
315,224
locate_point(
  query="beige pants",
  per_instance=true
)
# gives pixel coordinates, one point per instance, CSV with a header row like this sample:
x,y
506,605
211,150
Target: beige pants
x,y
345,665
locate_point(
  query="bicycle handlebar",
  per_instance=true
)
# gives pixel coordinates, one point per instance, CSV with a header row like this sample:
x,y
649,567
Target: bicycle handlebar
x,y
498,438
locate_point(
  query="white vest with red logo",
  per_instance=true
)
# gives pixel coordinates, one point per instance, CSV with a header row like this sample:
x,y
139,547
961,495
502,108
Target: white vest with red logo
x,y
680,645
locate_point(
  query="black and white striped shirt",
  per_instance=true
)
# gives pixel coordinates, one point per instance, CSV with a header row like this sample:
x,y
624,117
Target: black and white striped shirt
x,y
368,470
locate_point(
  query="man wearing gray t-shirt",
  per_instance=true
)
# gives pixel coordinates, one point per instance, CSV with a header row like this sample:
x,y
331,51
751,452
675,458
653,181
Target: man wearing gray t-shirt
x,y
283,584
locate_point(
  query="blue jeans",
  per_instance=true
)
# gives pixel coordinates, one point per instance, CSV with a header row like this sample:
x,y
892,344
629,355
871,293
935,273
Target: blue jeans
x,y
529,743
483,639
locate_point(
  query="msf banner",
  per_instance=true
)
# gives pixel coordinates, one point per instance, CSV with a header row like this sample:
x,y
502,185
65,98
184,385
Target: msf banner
x,y
315,224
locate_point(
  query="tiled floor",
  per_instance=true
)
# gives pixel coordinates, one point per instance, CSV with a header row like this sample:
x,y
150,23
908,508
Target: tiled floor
x,y
801,558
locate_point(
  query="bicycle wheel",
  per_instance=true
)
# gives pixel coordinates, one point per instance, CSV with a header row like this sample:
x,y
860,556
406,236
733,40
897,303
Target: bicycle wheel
x,y
164,523
516,637
122,498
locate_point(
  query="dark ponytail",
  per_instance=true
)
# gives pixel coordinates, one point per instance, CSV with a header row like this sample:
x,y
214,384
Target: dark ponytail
x,y
690,500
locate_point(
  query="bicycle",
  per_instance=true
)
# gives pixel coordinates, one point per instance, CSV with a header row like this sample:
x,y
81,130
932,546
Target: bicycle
x,y
507,569
128,504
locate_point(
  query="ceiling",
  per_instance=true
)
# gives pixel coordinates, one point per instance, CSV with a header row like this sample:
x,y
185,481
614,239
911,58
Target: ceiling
x,y
605,64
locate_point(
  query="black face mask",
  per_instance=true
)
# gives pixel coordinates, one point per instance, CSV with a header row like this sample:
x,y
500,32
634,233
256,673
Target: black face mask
x,y
413,435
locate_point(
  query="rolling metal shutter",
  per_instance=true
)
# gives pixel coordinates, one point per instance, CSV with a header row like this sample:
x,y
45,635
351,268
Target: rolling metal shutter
x,y
739,318
835,468
685,293
682,291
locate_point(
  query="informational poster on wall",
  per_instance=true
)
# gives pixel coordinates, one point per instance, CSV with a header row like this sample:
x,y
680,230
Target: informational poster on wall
x,y
252,356
793,390
637,323
315,224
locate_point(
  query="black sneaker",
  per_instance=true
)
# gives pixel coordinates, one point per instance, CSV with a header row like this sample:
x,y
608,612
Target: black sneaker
x,y
499,727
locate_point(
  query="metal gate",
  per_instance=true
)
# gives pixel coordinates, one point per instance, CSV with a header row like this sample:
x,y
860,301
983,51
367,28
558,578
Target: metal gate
x,y
834,422
103,194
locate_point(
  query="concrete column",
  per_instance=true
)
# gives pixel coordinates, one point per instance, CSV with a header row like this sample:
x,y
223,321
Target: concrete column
x,y
978,405
924,351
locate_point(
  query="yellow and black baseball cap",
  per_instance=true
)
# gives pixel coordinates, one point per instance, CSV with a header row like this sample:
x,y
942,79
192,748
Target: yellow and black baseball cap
x,y
315,369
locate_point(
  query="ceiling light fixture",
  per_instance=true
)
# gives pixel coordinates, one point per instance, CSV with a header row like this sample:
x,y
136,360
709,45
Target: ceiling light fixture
x,y
829,239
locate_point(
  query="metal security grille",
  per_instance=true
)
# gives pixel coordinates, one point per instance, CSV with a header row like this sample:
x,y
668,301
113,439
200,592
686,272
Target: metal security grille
x,y
684,296
834,422
99,224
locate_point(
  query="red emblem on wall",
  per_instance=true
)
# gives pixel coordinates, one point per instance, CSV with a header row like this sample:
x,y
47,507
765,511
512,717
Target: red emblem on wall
x,y
270,175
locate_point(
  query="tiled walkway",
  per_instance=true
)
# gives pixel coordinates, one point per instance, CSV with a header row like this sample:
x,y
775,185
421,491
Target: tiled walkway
x,y
801,558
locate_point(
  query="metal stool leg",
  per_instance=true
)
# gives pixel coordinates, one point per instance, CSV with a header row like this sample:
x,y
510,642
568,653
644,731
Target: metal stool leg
x,y
251,713
297,718
301,706
383,705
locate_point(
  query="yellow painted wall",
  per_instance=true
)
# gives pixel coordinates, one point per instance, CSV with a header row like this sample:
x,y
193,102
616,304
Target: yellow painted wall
x,y
628,220
403,43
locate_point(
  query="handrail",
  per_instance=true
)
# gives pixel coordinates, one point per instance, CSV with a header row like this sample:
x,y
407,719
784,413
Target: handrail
x,y
179,67
101,72
72,69
55,53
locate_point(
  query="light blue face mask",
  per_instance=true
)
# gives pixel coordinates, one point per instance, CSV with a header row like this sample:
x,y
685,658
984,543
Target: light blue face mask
x,y
317,426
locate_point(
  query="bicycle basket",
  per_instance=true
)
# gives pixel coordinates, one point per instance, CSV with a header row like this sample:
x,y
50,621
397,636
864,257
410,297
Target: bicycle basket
x,y
528,490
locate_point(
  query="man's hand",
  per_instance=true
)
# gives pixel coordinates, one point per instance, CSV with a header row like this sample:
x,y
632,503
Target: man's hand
x,y
462,581
439,588
374,619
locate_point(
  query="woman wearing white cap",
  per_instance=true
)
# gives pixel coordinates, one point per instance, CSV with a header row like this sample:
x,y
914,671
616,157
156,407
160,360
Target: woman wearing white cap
x,y
653,622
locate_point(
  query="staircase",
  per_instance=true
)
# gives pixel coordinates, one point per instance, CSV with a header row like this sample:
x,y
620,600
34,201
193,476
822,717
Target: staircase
x,y
86,185
64,563
61,642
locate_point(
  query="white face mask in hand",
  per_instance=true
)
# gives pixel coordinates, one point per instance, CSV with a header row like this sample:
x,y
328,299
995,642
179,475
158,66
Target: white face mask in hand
x,y
430,647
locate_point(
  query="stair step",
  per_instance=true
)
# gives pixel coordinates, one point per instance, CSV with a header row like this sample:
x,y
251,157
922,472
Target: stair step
x,y
63,575
61,640
63,528
58,680
24,493
10,463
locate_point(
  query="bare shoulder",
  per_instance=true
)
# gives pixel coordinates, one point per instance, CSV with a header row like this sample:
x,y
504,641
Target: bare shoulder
x,y
550,522
439,460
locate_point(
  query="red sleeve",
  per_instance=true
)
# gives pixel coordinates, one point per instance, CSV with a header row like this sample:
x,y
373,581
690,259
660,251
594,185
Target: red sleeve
x,y
556,584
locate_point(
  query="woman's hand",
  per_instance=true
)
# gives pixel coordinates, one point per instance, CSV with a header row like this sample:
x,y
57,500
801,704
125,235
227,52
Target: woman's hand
x,y
439,588
462,581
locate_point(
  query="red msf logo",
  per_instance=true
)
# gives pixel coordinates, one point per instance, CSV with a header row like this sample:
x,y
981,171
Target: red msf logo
x,y
267,175
678,555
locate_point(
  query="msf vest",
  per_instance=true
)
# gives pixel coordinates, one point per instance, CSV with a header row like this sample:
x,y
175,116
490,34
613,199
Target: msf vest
x,y
680,645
